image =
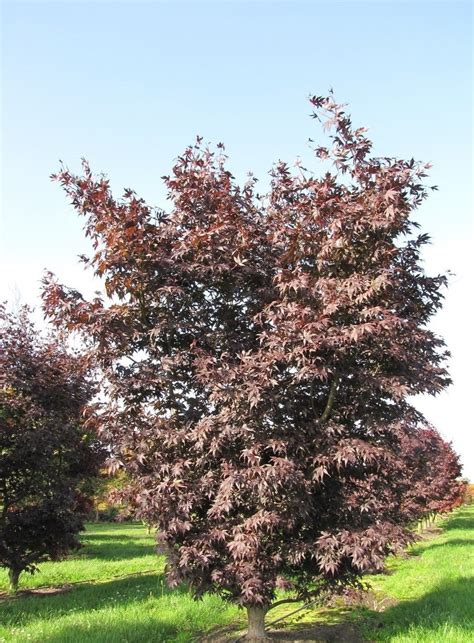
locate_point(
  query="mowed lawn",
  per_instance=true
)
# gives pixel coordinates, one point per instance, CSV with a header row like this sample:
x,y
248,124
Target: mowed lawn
x,y
430,594
433,588
105,606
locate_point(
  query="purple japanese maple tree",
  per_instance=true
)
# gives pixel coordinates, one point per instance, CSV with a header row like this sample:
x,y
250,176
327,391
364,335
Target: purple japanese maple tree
x,y
257,355
433,474
45,452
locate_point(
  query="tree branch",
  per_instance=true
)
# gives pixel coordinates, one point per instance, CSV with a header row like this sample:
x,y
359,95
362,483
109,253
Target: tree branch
x,y
283,601
311,396
331,397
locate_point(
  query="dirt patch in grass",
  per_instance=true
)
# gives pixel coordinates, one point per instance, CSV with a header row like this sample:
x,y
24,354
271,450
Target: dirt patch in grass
x,y
317,633
293,632
321,633
369,599
39,592
430,532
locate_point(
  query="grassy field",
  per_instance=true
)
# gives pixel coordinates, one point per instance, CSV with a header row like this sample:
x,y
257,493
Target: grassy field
x,y
106,608
429,595
433,589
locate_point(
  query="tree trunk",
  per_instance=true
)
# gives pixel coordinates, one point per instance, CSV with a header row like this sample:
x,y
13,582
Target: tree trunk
x,y
13,575
256,624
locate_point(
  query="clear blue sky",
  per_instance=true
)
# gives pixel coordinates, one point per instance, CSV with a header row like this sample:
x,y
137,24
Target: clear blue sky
x,y
129,85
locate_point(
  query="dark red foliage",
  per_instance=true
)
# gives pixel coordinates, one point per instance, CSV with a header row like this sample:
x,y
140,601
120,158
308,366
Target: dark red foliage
x,y
432,470
257,357
45,453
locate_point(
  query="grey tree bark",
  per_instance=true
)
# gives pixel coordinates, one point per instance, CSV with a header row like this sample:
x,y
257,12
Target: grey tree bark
x,y
256,624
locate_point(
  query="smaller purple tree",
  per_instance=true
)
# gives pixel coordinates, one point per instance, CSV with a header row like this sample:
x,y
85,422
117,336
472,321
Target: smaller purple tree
x,y
45,452
432,473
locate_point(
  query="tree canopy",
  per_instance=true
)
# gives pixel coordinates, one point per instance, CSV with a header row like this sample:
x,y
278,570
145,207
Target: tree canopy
x,y
257,358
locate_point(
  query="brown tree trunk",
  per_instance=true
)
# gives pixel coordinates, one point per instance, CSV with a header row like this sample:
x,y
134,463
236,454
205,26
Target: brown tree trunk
x,y
13,576
256,624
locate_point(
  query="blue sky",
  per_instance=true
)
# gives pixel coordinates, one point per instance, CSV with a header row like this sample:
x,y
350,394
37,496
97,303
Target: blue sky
x,y
129,85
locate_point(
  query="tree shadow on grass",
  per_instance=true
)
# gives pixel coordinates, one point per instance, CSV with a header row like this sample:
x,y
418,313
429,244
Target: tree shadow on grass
x,y
84,597
460,520
449,603
113,548
113,537
127,610
140,631
454,542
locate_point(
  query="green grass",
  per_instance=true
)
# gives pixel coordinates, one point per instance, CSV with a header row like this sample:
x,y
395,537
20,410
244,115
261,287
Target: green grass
x,y
432,591
104,608
109,550
433,587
